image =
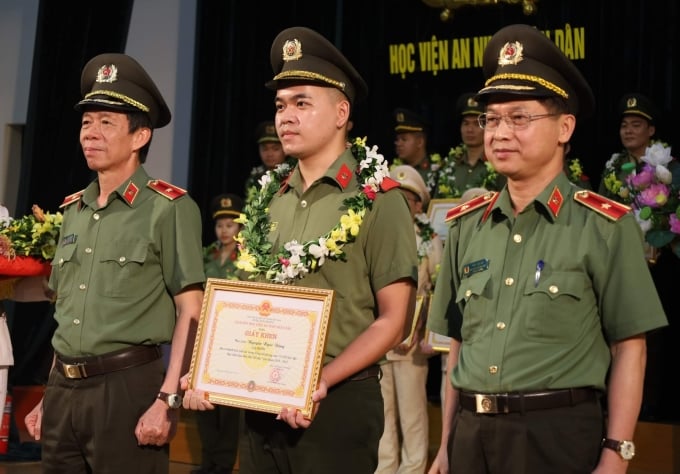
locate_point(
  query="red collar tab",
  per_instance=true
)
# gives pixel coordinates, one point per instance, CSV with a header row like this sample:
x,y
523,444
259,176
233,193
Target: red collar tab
x,y
130,193
344,175
555,201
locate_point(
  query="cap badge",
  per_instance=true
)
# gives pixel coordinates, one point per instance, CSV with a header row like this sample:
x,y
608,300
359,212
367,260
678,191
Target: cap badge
x,y
400,117
631,102
225,202
472,102
511,54
401,176
107,73
270,129
292,50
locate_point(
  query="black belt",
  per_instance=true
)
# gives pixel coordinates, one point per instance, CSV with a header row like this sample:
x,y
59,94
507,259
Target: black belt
x,y
83,367
367,373
494,403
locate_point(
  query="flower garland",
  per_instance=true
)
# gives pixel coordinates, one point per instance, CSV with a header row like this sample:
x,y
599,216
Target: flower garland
x,y
295,260
426,234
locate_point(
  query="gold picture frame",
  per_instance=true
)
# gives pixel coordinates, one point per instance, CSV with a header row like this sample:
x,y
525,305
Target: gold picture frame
x,y
260,346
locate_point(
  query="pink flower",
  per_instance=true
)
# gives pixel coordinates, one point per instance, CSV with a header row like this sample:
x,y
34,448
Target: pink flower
x,y
284,261
656,195
369,192
674,223
642,179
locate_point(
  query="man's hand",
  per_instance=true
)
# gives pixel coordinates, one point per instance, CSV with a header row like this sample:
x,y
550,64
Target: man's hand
x,y
33,421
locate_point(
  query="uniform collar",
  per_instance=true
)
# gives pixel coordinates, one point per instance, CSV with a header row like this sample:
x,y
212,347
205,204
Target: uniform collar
x,y
128,191
341,173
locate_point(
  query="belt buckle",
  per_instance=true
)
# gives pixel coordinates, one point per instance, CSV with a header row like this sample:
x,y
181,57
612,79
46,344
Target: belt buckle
x,y
487,403
74,371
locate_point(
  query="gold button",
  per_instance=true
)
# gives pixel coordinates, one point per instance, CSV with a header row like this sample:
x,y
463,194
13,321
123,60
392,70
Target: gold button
x,y
509,281
121,259
500,325
88,250
517,238
82,286
493,369
61,260
95,216
468,293
303,203
553,289
76,321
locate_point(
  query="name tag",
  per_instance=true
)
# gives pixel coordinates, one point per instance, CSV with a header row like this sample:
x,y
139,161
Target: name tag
x,y
475,267
69,239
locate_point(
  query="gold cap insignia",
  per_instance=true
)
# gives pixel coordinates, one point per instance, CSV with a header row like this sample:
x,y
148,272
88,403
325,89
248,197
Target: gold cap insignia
x,y
225,202
511,54
471,102
270,129
401,176
292,50
400,117
107,73
631,102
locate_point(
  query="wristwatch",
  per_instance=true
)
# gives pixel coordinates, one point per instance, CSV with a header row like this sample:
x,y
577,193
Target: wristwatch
x,y
174,400
625,448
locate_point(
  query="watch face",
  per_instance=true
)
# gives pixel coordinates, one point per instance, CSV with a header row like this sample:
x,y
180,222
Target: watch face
x,y
174,400
627,450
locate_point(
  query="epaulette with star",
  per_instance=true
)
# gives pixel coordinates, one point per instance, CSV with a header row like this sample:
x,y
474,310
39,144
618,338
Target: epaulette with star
x,y
388,183
71,198
469,206
610,209
168,190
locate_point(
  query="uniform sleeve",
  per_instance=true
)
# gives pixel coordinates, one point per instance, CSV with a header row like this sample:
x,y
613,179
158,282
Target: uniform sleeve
x,y
391,252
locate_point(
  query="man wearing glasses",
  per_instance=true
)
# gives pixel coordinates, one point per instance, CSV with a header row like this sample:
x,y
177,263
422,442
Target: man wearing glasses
x,y
543,288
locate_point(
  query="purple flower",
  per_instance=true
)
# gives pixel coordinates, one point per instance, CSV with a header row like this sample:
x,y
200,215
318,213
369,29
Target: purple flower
x,y
674,223
655,196
642,179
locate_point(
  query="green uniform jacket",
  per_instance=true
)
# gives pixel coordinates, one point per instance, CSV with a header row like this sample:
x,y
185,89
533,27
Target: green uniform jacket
x,y
525,330
384,251
118,267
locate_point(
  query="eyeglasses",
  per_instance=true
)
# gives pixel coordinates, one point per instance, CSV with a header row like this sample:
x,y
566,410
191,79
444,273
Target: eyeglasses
x,y
514,120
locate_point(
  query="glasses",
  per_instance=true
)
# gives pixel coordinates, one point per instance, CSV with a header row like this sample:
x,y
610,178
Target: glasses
x,y
514,120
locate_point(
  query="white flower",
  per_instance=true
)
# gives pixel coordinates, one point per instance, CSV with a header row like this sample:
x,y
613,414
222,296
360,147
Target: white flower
x,y
319,251
264,180
295,249
645,224
422,217
657,154
663,174
4,215
610,161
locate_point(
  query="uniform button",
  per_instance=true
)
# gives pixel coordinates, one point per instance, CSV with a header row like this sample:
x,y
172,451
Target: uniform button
x,y
553,289
468,293
303,203
88,250
61,260
76,321
121,259
517,238
500,325
509,281
493,370
82,286
95,216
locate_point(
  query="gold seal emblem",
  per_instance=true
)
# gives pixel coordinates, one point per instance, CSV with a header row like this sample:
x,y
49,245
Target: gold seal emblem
x,y
270,129
400,117
471,102
225,202
107,73
292,50
511,54
631,102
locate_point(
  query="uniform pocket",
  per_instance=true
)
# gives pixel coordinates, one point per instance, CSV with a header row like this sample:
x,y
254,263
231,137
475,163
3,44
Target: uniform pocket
x,y
122,263
473,294
64,268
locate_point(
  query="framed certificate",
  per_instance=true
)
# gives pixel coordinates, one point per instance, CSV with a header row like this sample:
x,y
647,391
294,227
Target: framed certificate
x,y
436,212
438,342
260,346
417,315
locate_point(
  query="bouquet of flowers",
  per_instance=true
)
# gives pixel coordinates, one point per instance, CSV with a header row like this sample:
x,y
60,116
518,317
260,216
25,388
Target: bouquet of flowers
x,y
29,243
654,194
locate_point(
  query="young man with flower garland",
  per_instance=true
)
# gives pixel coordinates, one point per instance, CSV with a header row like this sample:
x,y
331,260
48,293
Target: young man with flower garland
x,y
543,288
405,440
337,222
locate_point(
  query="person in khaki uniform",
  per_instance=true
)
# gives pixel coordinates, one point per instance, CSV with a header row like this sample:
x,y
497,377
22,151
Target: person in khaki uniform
x,y
336,198
128,277
405,441
543,288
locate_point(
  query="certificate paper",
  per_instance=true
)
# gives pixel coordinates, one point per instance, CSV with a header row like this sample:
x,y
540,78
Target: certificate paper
x,y
260,346
438,342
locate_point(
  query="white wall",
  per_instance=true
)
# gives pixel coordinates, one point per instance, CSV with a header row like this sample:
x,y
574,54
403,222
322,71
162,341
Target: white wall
x,y
161,38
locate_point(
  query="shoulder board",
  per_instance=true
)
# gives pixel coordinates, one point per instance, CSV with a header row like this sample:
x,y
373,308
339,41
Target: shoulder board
x,y
610,209
168,190
71,198
388,183
471,205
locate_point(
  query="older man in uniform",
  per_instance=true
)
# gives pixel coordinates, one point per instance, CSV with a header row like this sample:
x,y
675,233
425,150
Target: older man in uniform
x,y
373,277
543,288
128,275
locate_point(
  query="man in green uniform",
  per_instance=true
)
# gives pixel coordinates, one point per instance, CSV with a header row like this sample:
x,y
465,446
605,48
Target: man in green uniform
x,y
543,288
128,276
337,222
271,155
410,144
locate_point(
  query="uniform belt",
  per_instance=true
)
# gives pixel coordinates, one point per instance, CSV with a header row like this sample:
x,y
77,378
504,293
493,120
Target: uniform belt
x,y
83,367
367,373
494,403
